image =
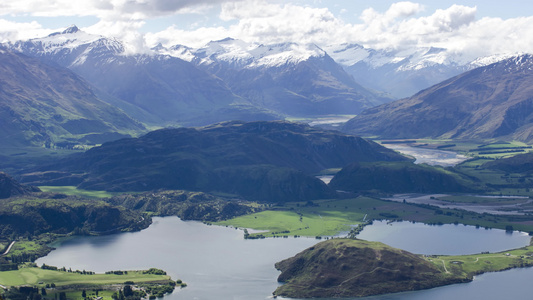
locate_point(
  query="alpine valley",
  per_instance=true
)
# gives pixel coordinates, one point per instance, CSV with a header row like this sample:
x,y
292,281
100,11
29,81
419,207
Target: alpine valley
x,y
98,139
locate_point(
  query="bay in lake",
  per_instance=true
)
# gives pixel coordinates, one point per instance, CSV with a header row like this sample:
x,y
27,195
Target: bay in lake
x,y
217,263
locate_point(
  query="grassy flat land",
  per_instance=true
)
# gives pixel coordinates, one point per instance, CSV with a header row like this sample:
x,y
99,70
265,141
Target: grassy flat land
x,y
32,276
331,217
303,222
73,191
469,265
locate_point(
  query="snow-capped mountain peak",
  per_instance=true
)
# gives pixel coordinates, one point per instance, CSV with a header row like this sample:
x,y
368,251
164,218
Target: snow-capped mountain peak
x,y
234,52
348,54
282,54
72,29
72,38
72,44
241,54
488,60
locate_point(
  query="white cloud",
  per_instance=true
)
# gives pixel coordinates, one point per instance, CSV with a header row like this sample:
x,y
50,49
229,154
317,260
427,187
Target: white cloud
x,y
121,19
195,38
101,8
401,26
13,31
264,22
403,9
267,22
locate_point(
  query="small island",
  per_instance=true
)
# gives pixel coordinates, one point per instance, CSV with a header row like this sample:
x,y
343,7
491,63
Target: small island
x,y
356,268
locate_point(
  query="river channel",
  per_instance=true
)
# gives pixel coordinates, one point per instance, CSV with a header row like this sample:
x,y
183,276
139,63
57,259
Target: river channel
x,y
217,263
429,156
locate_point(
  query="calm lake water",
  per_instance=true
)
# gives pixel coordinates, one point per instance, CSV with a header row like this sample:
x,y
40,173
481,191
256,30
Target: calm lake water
x,y
445,239
217,263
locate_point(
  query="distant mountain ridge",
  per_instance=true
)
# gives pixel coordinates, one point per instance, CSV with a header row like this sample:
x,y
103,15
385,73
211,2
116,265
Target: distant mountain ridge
x,y
43,105
402,73
156,89
292,79
495,101
226,80
234,80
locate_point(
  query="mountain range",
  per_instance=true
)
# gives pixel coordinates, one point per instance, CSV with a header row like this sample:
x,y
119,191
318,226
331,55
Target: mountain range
x,y
403,72
155,89
291,79
494,101
44,105
226,80
232,80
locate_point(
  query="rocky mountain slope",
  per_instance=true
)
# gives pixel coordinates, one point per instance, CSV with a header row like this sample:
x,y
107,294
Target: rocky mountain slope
x,y
263,161
494,101
43,105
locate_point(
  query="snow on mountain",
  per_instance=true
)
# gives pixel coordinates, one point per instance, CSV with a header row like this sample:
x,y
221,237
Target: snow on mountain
x,y
239,54
400,73
348,54
179,51
283,54
71,42
231,51
406,59
492,101
488,60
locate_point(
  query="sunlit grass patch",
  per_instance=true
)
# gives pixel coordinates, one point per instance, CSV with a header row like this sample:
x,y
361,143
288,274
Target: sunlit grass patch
x,y
41,277
301,220
73,191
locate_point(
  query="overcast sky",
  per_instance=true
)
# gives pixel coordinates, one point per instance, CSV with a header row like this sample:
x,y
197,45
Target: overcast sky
x,y
479,28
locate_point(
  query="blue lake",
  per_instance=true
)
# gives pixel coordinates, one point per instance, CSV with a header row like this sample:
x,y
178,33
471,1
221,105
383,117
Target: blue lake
x,y
217,263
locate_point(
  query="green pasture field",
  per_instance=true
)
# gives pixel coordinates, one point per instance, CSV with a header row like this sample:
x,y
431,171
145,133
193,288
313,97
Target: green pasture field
x,y
332,217
21,247
39,277
469,265
303,222
73,191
